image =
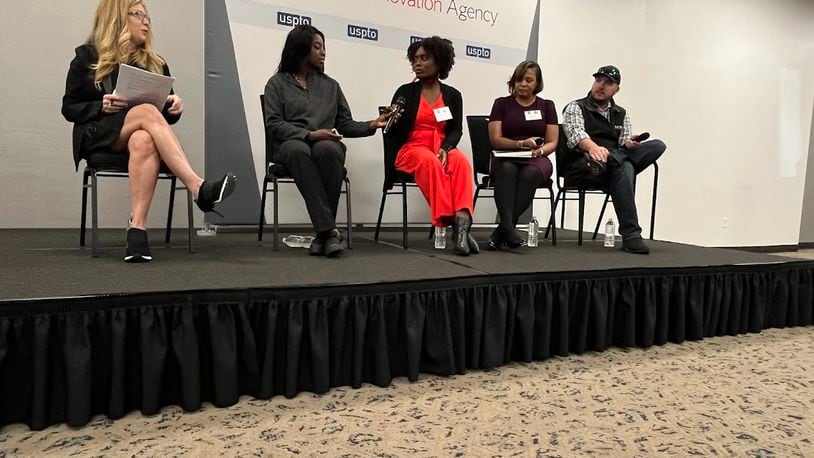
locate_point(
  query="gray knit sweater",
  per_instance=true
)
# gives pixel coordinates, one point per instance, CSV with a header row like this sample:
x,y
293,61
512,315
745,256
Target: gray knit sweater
x,y
292,111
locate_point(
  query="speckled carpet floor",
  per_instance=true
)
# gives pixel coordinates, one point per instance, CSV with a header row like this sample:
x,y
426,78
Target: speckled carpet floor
x,y
749,395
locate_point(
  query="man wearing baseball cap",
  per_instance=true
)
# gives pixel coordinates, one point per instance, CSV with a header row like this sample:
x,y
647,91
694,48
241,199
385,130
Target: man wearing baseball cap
x,y
602,150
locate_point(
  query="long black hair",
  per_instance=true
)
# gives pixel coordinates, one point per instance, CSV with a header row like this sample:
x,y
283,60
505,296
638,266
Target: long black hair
x,y
297,48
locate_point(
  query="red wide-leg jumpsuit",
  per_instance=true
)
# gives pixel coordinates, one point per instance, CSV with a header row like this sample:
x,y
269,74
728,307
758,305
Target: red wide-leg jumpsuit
x,y
447,191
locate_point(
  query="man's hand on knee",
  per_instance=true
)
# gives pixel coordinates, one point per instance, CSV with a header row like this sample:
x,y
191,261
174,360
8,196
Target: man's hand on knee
x,y
599,154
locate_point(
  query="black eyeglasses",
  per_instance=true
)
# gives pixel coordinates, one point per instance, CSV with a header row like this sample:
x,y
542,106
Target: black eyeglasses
x,y
143,17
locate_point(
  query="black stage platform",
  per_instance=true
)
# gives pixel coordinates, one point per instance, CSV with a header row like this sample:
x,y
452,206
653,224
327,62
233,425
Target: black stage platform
x,y
82,336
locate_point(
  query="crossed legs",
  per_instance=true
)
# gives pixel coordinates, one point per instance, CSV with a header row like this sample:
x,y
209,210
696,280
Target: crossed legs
x,y
148,139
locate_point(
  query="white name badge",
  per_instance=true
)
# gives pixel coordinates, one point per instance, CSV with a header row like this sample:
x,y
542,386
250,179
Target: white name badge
x,y
533,115
442,114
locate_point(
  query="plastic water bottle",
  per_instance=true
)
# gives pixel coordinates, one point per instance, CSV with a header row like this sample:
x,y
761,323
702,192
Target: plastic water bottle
x,y
610,233
534,227
208,230
298,241
294,241
440,238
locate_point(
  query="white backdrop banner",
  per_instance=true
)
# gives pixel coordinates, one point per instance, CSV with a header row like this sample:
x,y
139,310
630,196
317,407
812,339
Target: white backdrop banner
x,y
366,43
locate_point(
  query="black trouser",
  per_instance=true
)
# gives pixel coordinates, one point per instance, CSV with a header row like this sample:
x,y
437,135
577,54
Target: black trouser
x,y
318,170
623,166
515,186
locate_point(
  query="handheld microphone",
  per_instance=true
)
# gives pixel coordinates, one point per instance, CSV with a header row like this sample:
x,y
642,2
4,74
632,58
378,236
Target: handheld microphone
x,y
398,105
642,137
538,141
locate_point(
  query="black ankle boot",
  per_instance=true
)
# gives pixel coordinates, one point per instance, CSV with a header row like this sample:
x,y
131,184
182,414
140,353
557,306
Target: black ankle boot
x,y
460,236
473,244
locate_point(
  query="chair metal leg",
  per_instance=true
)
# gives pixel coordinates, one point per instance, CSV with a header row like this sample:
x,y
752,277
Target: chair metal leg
x,y
552,220
601,214
475,199
581,215
168,235
379,219
404,215
83,223
564,201
190,221
350,223
276,228
94,215
655,193
261,223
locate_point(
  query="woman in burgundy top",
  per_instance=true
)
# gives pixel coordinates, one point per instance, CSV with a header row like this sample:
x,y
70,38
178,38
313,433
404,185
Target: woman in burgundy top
x,y
521,120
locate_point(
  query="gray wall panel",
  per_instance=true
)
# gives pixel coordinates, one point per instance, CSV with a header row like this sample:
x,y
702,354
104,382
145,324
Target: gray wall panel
x,y
807,223
227,136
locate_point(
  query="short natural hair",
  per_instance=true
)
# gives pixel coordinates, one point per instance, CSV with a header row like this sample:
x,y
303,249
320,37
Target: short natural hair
x,y
521,70
441,51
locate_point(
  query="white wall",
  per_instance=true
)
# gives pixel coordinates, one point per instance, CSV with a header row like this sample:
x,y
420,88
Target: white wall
x,y
258,41
37,39
718,80
727,84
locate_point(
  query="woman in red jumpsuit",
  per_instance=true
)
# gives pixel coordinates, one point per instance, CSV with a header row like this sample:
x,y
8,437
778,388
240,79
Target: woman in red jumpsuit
x,y
425,137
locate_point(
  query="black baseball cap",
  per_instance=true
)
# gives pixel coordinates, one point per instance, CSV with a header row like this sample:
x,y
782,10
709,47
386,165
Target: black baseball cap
x,y
611,72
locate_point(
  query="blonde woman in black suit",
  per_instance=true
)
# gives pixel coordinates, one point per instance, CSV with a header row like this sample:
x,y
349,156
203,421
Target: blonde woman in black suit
x,y
107,123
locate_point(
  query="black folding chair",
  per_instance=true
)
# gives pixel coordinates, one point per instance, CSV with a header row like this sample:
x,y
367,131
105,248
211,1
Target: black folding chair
x,y
395,183
115,165
276,174
482,166
652,207
583,188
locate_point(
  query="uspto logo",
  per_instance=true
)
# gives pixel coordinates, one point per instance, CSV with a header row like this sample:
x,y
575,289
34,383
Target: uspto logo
x,y
363,33
292,20
478,52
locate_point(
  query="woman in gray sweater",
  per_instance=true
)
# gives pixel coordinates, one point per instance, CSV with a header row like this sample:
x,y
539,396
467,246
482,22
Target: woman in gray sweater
x,y
307,116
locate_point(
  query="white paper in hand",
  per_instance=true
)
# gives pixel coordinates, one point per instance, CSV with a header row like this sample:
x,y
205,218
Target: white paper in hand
x,y
518,153
138,86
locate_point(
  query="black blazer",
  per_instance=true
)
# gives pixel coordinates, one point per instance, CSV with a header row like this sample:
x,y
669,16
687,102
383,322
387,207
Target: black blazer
x,y
82,105
397,136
